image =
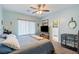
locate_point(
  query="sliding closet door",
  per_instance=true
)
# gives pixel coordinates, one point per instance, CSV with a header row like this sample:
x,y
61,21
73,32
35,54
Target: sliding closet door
x,y
22,27
32,27
26,27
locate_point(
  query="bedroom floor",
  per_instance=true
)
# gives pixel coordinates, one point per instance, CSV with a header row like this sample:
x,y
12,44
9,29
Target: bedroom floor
x,y
61,50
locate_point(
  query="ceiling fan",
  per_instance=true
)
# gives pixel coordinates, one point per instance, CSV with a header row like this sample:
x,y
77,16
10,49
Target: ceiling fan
x,y
40,9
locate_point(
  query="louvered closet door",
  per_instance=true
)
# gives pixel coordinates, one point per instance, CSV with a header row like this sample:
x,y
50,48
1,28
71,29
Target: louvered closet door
x,y
32,27
26,27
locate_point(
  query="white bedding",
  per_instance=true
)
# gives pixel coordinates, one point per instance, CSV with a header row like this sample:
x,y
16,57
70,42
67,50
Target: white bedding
x,y
11,42
29,41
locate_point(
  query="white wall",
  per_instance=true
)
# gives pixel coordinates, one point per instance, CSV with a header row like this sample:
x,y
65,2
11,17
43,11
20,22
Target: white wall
x,y
10,16
1,18
64,16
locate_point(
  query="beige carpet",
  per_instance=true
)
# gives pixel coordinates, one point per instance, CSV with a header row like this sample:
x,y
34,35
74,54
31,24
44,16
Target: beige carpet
x,y
61,50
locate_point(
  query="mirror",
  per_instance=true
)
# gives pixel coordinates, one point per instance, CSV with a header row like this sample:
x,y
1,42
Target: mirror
x,y
72,23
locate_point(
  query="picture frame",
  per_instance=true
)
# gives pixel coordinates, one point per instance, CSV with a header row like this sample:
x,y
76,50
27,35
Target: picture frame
x,y
55,23
45,22
72,23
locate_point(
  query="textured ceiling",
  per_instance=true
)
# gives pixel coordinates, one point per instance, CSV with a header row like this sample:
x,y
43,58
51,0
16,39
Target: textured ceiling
x,y
25,8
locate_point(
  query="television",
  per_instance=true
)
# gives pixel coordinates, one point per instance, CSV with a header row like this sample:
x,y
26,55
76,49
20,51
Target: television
x,y
44,28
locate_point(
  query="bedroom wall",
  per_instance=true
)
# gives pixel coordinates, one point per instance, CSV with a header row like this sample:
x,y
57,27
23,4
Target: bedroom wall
x,y
64,16
11,18
1,18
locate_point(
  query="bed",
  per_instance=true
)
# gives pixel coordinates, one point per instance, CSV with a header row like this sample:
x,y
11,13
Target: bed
x,y
30,45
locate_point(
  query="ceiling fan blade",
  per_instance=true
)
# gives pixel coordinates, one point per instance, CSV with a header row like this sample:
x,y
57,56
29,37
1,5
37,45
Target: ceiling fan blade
x,y
44,5
33,8
46,10
34,12
39,5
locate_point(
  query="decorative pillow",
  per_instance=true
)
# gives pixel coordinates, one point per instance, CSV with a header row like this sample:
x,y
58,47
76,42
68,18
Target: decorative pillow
x,y
11,42
4,36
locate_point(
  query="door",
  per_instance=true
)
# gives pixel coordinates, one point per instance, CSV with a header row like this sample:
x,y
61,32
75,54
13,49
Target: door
x,y
26,27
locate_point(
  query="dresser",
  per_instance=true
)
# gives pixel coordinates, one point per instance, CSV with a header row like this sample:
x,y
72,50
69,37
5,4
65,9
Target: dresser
x,y
69,41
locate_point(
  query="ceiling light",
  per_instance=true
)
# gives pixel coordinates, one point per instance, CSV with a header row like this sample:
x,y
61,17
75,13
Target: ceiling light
x,y
39,12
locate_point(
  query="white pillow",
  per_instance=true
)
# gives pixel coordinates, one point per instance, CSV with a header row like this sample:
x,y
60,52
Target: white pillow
x,y
11,42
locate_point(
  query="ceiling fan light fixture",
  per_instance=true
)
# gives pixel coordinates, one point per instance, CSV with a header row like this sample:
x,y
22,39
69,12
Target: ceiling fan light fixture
x,y
40,9
39,12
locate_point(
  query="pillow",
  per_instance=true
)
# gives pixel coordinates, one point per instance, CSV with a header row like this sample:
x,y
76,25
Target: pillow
x,y
4,36
11,42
